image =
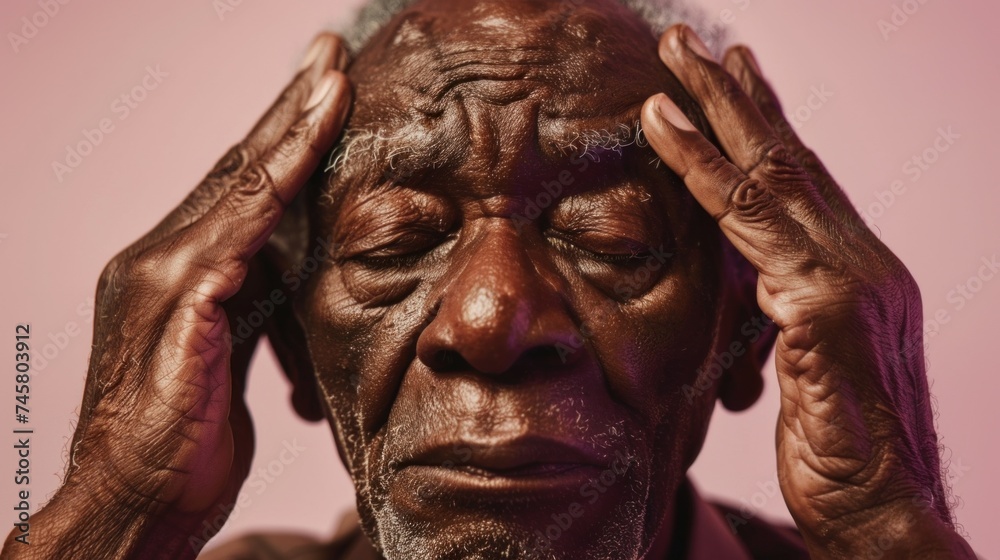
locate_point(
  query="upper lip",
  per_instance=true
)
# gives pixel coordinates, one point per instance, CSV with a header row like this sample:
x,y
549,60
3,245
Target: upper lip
x,y
520,453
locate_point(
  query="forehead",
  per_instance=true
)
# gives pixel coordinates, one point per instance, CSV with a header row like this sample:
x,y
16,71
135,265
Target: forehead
x,y
579,57
459,80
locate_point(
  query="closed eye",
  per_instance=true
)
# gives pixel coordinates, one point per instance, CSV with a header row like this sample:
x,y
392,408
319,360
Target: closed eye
x,y
622,252
404,250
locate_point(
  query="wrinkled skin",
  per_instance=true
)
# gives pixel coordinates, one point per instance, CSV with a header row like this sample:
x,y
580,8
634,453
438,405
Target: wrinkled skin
x,y
480,368
450,319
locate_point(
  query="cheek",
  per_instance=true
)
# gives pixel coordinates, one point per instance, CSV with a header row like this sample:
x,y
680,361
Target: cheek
x,y
652,346
359,353
330,327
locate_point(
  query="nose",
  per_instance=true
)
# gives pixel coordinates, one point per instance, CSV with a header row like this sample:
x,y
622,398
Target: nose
x,y
500,311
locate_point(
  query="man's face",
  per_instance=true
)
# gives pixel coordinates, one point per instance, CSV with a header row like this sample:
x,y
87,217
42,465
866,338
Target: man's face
x,y
520,293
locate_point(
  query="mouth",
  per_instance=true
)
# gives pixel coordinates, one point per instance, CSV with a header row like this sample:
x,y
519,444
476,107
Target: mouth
x,y
521,471
527,465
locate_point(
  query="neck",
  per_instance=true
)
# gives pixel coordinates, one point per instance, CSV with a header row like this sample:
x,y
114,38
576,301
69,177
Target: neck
x,y
672,534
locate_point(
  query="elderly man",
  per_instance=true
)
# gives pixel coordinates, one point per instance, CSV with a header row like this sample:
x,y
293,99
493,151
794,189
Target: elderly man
x,y
545,246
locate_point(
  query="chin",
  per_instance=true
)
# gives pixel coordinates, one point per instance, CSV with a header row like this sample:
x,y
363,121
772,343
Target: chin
x,y
425,513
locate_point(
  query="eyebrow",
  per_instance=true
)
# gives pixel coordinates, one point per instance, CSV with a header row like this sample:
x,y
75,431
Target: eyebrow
x,y
412,152
377,145
391,148
593,143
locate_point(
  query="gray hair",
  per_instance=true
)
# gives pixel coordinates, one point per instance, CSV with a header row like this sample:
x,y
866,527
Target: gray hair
x,y
658,14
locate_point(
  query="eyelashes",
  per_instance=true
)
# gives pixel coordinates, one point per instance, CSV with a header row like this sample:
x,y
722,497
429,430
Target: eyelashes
x,y
600,256
622,252
388,262
404,250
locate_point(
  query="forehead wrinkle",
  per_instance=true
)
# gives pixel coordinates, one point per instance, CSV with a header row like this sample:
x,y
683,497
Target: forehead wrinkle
x,y
410,152
519,70
486,47
495,56
432,58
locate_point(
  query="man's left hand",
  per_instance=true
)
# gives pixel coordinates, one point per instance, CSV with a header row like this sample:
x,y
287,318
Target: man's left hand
x,y
857,450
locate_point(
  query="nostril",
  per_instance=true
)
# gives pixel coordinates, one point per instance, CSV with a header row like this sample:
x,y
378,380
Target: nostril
x,y
545,356
449,360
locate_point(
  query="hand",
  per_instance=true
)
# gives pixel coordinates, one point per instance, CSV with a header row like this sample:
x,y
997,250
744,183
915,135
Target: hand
x,y
164,438
857,451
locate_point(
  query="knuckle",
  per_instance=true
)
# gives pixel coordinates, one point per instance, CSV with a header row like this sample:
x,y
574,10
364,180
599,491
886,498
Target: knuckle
x,y
254,196
789,176
254,180
123,276
715,165
164,273
777,165
200,201
216,183
221,280
713,162
160,266
144,277
164,268
753,201
232,164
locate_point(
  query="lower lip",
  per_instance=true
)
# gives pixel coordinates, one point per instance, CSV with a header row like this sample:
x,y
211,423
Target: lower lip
x,y
535,481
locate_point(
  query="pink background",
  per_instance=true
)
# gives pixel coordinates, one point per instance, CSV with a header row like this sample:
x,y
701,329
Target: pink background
x,y
886,100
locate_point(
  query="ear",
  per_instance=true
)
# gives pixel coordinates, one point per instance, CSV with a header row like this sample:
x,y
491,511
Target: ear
x,y
747,334
280,260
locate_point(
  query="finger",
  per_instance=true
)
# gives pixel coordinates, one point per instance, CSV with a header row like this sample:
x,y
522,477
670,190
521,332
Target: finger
x,y
239,225
326,51
747,139
740,62
745,136
756,221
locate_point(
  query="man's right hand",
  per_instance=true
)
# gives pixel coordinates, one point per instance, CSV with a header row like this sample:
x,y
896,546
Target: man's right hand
x,y
164,436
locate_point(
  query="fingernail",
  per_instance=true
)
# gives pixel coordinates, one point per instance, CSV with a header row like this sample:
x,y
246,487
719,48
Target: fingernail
x,y
751,62
313,54
694,42
672,113
322,88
